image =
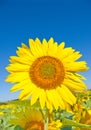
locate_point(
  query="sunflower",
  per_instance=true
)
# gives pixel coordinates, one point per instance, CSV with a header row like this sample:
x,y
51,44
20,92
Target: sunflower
x,y
85,118
32,119
47,71
82,109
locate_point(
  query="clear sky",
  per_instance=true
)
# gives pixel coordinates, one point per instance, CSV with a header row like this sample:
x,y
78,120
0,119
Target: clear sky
x,y
64,20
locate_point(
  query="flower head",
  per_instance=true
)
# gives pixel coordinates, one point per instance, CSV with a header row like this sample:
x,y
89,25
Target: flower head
x,y
30,119
47,71
82,109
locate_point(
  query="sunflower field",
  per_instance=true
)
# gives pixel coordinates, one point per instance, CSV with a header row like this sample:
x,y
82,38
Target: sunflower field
x,y
52,95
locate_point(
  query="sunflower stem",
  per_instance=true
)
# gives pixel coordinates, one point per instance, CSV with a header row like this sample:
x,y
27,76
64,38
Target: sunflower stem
x,y
46,124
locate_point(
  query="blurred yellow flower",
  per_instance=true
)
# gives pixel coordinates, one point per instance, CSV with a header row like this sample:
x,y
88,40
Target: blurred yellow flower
x,y
55,125
4,106
85,118
32,119
82,114
47,71
1,113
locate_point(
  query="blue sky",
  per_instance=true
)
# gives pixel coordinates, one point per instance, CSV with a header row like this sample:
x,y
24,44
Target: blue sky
x,y
64,20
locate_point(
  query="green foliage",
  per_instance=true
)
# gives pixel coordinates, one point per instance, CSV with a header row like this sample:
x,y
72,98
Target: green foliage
x,y
69,122
4,123
62,115
86,104
18,128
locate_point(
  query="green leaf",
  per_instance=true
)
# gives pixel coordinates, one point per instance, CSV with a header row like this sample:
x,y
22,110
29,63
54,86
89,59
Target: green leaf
x,y
66,114
68,122
18,128
87,104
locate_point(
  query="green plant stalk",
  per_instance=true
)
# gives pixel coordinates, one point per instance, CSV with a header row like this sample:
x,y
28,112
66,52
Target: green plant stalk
x,y
46,124
68,122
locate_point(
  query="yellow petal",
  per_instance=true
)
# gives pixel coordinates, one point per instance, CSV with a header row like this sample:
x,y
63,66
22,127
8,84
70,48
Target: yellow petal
x,y
22,60
68,93
72,57
25,94
65,53
17,67
42,98
60,48
45,47
17,77
76,86
34,49
38,47
35,95
76,66
52,47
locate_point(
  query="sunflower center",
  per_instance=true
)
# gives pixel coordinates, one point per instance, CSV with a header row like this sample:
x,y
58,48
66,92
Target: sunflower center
x,y
47,72
34,126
